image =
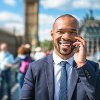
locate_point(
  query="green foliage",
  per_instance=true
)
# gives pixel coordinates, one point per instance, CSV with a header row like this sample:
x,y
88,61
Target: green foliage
x,y
46,45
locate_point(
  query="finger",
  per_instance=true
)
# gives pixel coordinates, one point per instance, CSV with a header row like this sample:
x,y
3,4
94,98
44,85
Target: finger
x,y
79,44
81,40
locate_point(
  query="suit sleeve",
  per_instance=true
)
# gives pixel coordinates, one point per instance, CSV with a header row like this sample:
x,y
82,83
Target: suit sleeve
x,y
28,89
88,75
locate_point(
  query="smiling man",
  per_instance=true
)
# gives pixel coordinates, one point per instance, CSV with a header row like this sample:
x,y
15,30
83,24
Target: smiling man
x,y
65,74
64,37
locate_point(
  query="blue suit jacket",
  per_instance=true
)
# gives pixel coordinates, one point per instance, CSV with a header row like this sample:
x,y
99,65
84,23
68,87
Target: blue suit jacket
x,y
39,81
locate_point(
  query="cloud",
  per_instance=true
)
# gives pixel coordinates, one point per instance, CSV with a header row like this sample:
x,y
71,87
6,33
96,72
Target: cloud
x,y
44,34
91,4
45,26
58,4
45,19
10,21
81,3
8,16
17,27
10,2
97,17
70,4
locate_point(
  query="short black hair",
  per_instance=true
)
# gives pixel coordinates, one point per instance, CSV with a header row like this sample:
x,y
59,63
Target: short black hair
x,y
62,16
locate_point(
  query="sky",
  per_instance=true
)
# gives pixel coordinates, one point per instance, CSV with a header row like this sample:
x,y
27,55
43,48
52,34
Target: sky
x,y
12,14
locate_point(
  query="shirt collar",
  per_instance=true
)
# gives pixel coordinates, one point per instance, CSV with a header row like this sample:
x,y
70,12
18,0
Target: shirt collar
x,y
58,59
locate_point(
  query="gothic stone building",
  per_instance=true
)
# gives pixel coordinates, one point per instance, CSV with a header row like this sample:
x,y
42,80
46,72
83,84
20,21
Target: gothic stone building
x,y
90,30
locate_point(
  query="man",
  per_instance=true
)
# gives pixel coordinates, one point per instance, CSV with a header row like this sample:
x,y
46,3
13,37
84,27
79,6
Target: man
x,y
6,60
43,80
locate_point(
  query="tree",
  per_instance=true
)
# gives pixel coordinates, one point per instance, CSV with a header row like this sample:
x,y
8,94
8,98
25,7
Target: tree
x,y
46,45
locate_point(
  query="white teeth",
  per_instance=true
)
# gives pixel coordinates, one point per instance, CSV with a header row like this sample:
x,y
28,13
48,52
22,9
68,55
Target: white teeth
x,y
64,42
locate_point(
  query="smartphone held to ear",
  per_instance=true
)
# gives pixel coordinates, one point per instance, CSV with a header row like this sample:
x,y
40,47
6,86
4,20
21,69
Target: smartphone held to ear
x,y
75,49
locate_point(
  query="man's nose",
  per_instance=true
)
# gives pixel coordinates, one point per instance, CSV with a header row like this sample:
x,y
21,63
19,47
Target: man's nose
x,y
66,35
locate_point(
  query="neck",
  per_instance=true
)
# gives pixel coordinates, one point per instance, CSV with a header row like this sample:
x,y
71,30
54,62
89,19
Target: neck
x,y
63,56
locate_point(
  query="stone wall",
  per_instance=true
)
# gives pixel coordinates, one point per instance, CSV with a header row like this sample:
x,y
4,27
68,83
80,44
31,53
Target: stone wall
x,y
12,41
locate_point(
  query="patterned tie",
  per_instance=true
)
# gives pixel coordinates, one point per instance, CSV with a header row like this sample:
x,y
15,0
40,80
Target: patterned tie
x,y
63,82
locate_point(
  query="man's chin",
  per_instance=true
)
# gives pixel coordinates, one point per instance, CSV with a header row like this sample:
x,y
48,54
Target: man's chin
x,y
65,53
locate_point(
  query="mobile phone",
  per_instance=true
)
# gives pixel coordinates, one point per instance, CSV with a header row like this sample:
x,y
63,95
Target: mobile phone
x,y
75,49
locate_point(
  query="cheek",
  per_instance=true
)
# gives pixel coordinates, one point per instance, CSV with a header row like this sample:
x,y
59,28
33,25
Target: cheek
x,y
56,38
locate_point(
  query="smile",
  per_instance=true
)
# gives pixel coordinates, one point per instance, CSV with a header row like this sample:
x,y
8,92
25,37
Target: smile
x,y
65,43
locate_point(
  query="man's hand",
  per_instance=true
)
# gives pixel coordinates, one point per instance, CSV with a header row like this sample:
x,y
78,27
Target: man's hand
x,y
80,54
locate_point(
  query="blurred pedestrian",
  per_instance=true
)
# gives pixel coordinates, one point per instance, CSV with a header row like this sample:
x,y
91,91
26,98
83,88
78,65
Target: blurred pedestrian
x,y
6,60
23,59
28,49
47,52
38,53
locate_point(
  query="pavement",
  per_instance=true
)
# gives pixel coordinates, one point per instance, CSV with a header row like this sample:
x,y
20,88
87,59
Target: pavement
x,y
14,93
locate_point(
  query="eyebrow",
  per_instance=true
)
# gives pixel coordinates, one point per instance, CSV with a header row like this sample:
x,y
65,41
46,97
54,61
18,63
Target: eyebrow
x,y
68,29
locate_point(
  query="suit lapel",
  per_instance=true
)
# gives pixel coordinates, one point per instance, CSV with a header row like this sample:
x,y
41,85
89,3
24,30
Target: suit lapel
x,y
50,76
73,81
49,70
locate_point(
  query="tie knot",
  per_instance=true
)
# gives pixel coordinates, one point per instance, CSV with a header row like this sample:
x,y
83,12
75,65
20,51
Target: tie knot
x,y
63,63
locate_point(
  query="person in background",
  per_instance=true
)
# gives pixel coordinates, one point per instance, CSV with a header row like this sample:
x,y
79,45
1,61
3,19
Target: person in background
x,y
23,50
28,49
20,54
47,52
65,74
6,60
38,53
23,59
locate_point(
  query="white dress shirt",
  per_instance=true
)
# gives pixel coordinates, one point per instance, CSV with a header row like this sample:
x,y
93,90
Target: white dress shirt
x,y
57,73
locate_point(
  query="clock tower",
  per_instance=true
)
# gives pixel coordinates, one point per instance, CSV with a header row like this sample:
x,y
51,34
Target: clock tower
x,y
31,22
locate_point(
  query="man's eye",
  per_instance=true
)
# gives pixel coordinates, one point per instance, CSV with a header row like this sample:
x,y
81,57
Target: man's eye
x,y
59,32
73,33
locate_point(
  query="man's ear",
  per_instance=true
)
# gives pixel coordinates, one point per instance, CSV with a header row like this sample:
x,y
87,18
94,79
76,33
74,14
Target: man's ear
x,y
51,33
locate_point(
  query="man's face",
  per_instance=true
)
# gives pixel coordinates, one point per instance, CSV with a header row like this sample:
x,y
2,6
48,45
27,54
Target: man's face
x,y
65,29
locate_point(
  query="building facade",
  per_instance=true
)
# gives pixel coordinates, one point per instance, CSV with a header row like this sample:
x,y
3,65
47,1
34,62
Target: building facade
x,y
90,30
12,41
